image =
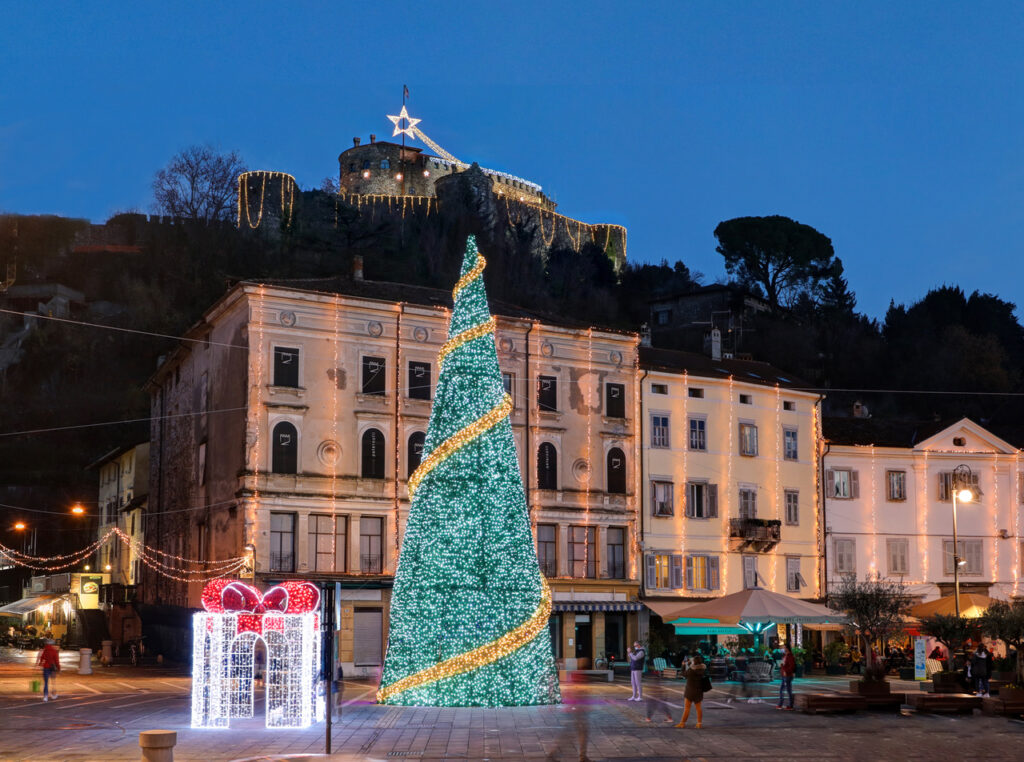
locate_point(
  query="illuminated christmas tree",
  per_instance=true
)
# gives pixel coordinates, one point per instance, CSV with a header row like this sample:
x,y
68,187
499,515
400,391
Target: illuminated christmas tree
x,y
470,608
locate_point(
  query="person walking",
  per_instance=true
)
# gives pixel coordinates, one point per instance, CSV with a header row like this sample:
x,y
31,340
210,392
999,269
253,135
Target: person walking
x,y
49,660
696,674
981,669
786,673
636,656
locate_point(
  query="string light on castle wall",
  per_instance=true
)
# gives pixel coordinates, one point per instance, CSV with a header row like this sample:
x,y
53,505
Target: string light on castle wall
x,y
287,187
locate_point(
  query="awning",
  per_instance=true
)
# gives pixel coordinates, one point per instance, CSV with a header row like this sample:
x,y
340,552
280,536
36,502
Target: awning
x,y
709,629
664,608
27,605
598,606
824,627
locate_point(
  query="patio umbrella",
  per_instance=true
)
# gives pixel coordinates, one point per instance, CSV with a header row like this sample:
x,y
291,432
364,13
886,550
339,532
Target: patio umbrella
x,y
972,606
755,610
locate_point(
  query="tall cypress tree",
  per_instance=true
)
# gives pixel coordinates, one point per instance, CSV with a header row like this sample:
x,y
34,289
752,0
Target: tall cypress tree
x,y
470,608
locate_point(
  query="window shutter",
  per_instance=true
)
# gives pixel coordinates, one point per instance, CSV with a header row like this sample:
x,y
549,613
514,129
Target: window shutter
x,y
689,501
973,556
650,575
854,485
712,490
943,486
712,562
689,572
830,483
676,572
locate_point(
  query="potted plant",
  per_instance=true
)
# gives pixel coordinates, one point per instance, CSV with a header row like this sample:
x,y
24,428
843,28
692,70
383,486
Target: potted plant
x,y
1005,621
951,631
834,653
802,665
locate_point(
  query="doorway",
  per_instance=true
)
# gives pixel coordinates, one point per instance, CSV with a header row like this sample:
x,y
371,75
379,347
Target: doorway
x,y
584,639
614,636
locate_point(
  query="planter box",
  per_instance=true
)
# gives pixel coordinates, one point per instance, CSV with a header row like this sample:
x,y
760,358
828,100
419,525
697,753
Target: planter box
x,y
873,688
835,669
1011,695
947,682
907,673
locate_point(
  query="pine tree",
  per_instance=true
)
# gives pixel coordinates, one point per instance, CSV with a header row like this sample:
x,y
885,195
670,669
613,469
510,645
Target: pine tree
x,y
470,608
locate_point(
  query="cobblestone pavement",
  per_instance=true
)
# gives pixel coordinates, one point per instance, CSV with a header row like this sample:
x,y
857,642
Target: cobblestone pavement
x,y
98,718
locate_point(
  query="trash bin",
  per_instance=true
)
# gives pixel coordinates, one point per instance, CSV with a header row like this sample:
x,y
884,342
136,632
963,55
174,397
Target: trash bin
x,y
108,651
85,661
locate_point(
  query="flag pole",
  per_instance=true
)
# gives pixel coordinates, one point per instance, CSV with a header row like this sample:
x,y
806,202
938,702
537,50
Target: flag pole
x,y
405,93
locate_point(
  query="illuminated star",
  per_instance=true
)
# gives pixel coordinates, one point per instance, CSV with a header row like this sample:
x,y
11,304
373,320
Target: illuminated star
x,y
410,124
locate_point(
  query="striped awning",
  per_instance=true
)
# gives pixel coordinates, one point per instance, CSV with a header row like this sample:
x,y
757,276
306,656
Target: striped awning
x,y
598,606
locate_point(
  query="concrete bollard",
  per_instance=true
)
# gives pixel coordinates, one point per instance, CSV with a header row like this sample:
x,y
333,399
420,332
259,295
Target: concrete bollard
x,y
108,651
158,745
85,661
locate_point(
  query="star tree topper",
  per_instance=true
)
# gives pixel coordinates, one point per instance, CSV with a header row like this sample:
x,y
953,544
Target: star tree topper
x,y
410,124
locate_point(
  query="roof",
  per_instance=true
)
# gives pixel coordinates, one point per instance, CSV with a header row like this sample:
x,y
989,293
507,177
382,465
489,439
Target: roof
x,y
710,288
106,248
881,432
696,364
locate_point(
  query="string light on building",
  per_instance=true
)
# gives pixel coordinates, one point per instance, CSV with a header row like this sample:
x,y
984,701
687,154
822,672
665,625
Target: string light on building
x,y
816,440
1016,509
469,609
922,512
874,513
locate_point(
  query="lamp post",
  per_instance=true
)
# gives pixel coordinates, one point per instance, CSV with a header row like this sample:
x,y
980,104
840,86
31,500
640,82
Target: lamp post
x,y
961,489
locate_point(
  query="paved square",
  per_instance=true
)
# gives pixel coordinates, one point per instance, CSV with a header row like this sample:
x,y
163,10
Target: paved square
x,y
98,718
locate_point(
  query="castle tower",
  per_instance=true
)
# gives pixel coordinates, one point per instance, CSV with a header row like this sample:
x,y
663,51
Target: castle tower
x,y
266,200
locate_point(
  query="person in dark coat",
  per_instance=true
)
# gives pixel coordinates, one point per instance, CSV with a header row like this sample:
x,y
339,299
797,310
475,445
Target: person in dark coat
x,y
694,691
981,669
786,673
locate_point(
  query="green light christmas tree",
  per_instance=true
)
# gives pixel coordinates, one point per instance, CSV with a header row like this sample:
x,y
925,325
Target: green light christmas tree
x,y
470,608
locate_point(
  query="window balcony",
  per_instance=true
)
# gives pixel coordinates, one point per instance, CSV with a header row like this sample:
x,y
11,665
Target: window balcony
x,y
758,535
282,562
371,564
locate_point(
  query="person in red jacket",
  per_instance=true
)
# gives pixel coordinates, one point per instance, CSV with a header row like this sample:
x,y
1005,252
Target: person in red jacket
x,y
786,672
49,660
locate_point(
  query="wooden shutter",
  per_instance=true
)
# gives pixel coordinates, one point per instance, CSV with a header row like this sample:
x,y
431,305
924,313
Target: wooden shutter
x,y
712,498
830,483
367,637
689,507
945,480
689,572
712,562
676,572
650,571
973,556
854,484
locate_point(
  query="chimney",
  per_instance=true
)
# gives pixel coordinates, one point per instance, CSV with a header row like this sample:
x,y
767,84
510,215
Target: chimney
x,y
356,142
373,138
357,267
716,344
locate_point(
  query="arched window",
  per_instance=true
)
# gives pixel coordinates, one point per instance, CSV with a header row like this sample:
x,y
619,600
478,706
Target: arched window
x,y
616,471
373,454
285,449
415,453
547,466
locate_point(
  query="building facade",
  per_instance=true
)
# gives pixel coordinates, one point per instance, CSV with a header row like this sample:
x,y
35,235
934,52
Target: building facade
x,y
889,506
730,480
290,421
123,493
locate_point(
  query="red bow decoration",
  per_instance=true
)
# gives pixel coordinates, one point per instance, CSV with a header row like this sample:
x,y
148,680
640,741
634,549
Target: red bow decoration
x,y
230,596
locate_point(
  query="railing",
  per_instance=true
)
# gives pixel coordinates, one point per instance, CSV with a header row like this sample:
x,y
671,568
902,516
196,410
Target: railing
x,y
371,564
756,530
549,567
585,569
282,562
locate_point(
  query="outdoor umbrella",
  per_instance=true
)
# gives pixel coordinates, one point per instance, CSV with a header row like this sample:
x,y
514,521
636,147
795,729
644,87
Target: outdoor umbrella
x,y
972,606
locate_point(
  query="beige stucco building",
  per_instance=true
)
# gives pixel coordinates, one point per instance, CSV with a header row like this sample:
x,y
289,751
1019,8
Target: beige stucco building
x,y
123,493
291,419
730,479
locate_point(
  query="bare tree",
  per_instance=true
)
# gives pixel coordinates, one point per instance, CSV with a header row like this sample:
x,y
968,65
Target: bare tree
x,y
875,609
198,183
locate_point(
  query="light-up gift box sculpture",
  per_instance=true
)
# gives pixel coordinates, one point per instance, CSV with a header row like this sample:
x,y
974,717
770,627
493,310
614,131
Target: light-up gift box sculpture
x,y
237,616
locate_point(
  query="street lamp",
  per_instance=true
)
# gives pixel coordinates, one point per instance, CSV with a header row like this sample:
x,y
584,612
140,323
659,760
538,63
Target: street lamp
x,y
964,491
77,509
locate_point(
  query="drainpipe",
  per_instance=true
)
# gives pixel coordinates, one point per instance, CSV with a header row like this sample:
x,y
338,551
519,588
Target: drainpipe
x,y
526,437
824,521
641,508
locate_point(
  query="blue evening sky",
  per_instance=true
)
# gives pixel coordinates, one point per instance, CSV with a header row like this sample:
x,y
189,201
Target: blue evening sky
x,y
893,128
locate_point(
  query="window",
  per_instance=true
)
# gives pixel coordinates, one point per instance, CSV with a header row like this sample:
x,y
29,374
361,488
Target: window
x,y
698,434
664,572
547,549
702,572
328,541
701,500
696,393
748,503
352,167
547,466
201,464
662,317
617,552
896,485
788,405
842,484
373,454
790,449
616,467
615,400
946,486
419,380
547,393
282,542
371,544
750,574
286,367
793,578
508,382
659,388
897,551
285,449
366,164
582,555
969,552
414,454
374,375
748,439
845,556
661,498
792,498
659,430
385,164
746,399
